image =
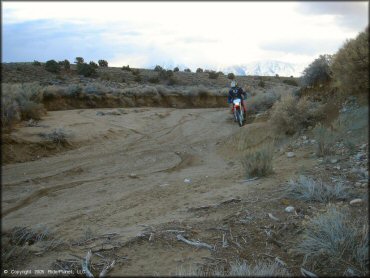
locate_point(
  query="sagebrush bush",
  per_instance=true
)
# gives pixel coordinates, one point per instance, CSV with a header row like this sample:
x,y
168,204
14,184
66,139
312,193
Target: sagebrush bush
x,y
154,79
165,74
261,102
258,161
158,68
126,68
21,102
103,63
176,69
308,189
52,66
290,114
138,78
36,63
58,136
213,75
135,72
94,65
261,84
86,69
350,65
335,241
66,64
172,81
291,82
199,70
187,70
79,60
318,72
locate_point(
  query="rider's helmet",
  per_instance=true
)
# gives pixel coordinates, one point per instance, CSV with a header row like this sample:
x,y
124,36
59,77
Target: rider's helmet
x,y
233,84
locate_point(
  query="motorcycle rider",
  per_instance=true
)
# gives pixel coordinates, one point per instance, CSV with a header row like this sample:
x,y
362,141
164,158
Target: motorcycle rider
x,y
236,92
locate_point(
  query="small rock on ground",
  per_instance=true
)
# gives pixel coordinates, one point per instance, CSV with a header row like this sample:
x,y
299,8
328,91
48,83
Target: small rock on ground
x,y
290,154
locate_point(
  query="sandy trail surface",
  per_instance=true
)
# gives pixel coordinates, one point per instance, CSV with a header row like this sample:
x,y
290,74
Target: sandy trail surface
x,y
145,167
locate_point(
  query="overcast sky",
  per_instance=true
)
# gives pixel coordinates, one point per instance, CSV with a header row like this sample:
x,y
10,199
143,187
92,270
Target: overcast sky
x,y
195,34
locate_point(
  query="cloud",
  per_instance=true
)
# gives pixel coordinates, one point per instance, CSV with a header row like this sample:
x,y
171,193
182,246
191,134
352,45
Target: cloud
x,y
48,39
353,15
303,46
144,34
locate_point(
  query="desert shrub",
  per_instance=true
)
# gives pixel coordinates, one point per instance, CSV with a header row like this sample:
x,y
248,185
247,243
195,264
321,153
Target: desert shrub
x,y
176,69
94,88
199,70
127,68
291,114
308,189
31,110
261,83
137,78
52,66
261,102
58,136
187,70
165,74
172,81
350,65
334,241
135,72
86,70
103,63
291,82
66,64
21,102
258,161
213,75
318,71
231,76
154,79
79,60
36,63
10,112
158,68
94,65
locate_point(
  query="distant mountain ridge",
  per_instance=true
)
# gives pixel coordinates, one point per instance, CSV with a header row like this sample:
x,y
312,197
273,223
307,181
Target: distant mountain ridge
x,y
258,68
265,68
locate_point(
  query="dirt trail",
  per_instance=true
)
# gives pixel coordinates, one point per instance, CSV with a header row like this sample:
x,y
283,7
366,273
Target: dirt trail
x,y
129,172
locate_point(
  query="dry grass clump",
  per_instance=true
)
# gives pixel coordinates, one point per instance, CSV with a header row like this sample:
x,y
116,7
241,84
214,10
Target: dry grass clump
x,y
326,139
264,269
308,189
291,114
16,244
238,268
21,102
335,242
257,162
58,136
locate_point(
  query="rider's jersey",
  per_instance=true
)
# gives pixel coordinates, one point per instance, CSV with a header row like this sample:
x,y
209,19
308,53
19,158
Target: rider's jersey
x,y
236,93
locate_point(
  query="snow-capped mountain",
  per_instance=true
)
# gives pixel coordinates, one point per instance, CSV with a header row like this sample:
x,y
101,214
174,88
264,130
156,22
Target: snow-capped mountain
x,y
266,68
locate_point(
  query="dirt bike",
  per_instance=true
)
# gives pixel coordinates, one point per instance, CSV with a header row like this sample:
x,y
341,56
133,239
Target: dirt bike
x,y
238,111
